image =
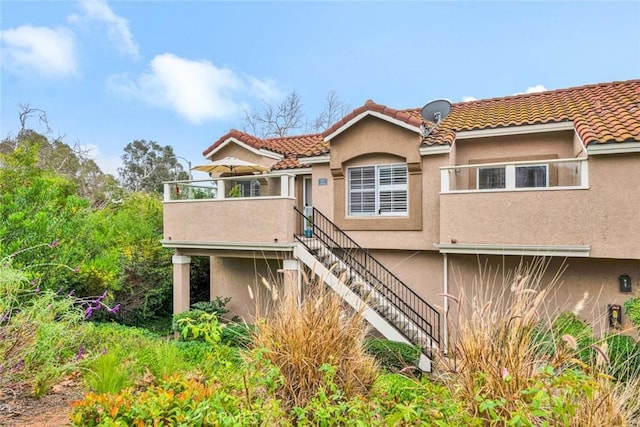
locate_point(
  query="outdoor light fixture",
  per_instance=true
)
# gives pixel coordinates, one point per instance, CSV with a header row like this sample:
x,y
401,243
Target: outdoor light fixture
x,y
625,283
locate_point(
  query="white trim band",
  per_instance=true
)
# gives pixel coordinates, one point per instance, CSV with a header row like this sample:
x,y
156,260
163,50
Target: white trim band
x,y
435,149
260,152
520,250
314,160
381,116
613,148
239,246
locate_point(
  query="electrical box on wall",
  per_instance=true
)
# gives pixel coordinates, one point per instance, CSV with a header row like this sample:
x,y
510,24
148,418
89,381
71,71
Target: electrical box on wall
x,y
615,315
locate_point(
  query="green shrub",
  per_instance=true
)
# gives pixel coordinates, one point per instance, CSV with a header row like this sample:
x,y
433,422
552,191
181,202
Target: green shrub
x,y
176,400
197,325
237,335
217,306
632,308
568,323
193,351
107,374
624,357
392,356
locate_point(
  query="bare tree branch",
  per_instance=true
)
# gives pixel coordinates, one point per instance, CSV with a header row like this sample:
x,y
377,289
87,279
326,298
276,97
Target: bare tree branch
x,y
25,112
334,110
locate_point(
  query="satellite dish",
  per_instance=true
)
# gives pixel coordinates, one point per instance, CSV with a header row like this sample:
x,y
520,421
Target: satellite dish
x,y
434,112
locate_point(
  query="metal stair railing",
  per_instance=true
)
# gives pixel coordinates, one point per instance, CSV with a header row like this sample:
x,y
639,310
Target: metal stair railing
x,y
358,260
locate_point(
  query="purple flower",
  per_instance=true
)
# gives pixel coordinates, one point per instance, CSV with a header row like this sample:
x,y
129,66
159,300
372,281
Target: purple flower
x,y
114,309
103,296
72,293
80,354
37,289
54,244
75,270
19,365
104,350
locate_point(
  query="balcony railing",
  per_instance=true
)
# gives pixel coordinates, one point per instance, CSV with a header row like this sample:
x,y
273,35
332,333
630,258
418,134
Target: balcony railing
x,y
234,187
530,175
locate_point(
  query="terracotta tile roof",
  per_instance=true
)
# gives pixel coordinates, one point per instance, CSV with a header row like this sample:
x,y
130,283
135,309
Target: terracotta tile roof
x,y
406,116
291,147
601,113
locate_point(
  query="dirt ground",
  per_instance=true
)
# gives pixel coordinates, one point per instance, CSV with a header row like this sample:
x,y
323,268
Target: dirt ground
x,y
17,408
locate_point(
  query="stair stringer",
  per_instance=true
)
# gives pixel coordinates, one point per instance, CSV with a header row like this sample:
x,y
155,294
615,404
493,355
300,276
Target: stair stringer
x,y
382,325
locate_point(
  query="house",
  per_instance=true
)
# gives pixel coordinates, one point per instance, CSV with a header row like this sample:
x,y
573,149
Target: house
x,y
400,210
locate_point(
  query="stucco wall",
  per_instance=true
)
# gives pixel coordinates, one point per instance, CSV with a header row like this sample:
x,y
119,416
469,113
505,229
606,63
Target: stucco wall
x,y
230,220
234,150
373,141
596,277
231,277
605,217
537,145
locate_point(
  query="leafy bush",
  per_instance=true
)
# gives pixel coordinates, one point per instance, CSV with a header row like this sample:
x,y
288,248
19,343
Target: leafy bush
x,y
176,400
238,335
197,325
391,355
217,306
632,308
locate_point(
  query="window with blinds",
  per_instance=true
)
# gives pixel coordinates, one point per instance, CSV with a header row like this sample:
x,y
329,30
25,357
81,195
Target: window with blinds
x,y
377,190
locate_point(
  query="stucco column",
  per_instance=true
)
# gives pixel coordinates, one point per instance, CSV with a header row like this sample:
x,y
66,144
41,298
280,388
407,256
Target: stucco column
x,y
290,277
181,284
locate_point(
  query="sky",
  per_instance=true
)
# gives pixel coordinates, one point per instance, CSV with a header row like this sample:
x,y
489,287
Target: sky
x,y
181,73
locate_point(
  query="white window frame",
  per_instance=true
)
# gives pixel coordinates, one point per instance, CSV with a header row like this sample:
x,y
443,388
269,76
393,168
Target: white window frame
x,y
491,188
378,188
546,175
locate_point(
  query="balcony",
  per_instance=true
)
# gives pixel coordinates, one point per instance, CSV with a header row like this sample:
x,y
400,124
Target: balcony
x,y
244,212
529,207
563,174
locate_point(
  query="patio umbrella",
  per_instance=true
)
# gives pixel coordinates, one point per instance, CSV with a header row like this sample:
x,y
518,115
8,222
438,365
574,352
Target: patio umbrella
x,y
230,165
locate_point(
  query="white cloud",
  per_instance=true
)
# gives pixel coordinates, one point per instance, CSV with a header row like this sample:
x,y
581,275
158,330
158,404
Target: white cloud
x,y
107,163
197,90
535,89
469,99
265,90
117,27
47,51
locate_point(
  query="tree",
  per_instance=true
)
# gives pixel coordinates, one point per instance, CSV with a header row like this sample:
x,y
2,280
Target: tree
x,y
146,164
275,120
333,110
31,149
288,116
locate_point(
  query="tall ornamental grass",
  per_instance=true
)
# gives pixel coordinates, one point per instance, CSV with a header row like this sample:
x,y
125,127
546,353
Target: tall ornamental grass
x,y
301,339
509,373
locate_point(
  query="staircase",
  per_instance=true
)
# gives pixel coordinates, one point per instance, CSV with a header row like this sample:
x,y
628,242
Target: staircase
x,y
387,303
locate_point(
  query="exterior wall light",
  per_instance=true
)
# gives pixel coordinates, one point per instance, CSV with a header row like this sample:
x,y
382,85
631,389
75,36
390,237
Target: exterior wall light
x,y
625,283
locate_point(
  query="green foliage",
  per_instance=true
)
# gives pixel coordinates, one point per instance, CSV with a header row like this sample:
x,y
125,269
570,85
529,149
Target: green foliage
x,y
39,332
632,308
217,306
393,356
235,191
146,164
107,374
238,335
568,323
197,325
624,357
